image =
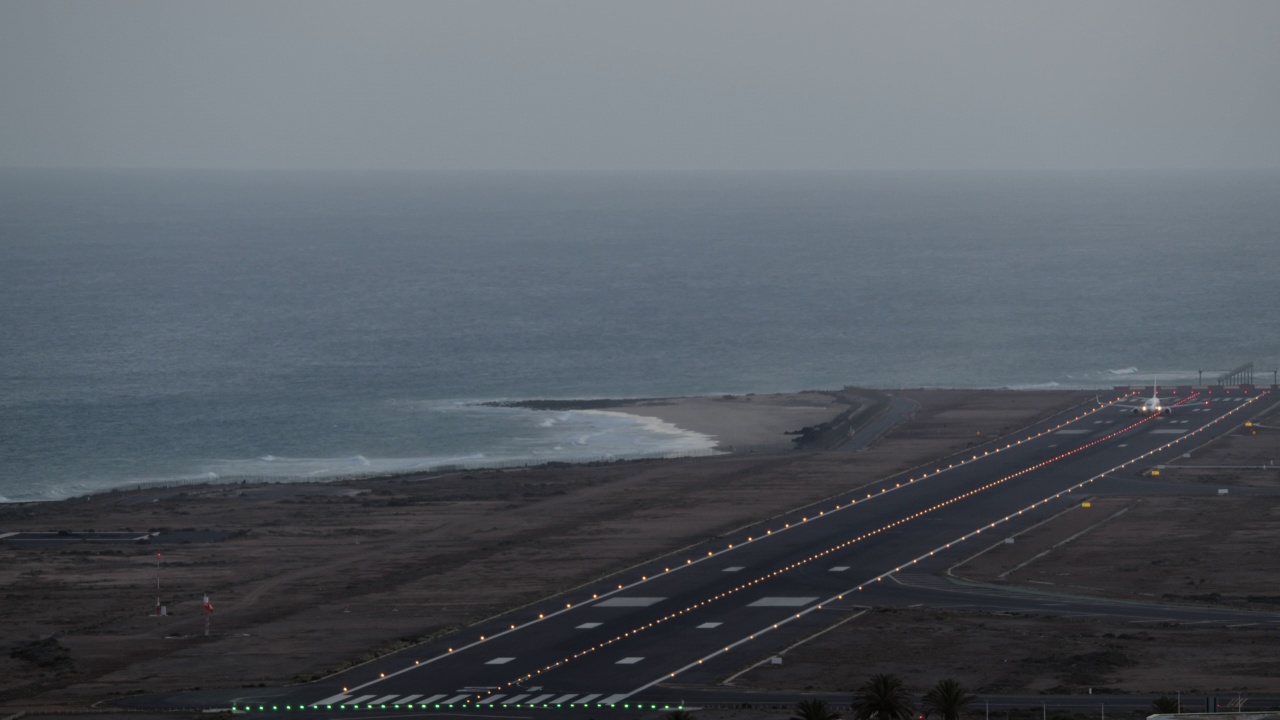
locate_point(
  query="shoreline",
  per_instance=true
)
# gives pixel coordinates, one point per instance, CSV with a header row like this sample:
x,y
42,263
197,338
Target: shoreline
x,y
698,426
733,424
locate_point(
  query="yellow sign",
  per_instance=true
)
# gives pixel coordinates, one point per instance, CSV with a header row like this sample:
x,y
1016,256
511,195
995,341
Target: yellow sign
x,y
1086,504
1248,424
1155,473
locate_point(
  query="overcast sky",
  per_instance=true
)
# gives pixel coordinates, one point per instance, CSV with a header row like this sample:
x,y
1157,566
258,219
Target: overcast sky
x,y
649,84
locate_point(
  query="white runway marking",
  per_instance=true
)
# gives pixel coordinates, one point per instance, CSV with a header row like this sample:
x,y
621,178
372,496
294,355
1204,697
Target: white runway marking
x,y
500,661
516,698
491,699
614,699
433,698
839,568
456,698
408,699
358,700
1073,431
383,700
629,661
588,626
332,699
782,601
629,602
539,699
734,568
586,699
562,699
708,626
1167,431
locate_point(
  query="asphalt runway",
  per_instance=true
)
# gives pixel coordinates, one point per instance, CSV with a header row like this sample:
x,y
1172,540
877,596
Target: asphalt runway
x,y
652,634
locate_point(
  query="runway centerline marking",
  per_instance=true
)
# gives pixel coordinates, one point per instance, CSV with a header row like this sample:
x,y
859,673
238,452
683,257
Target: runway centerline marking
x,y
839,568
500,661
629,661
782,601
630,602
588,626
709,625
733,568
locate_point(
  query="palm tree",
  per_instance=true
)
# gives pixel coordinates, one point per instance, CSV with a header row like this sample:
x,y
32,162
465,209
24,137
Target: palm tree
x,y
1164,705
814,710
883,697
949,699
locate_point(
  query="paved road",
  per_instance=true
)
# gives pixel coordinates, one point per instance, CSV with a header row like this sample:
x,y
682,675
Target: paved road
x,y
681,622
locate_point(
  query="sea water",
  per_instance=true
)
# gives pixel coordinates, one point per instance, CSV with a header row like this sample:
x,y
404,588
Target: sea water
x,y
166,325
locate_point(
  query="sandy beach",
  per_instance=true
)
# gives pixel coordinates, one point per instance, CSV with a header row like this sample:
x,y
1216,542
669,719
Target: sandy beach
x,y
742,420
308,579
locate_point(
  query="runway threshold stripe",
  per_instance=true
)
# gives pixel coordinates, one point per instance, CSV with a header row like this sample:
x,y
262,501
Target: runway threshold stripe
x,y
358,700
332,699
614,699
586,699
433,698
515,699
491,699
563,699
540,699
456,699
384,700
408,699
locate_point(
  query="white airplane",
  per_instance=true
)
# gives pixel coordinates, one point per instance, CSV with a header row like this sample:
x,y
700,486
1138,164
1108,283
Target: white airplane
x,y
1153,405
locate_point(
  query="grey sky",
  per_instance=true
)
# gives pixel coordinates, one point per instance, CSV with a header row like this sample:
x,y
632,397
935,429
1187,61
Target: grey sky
x,y
650,84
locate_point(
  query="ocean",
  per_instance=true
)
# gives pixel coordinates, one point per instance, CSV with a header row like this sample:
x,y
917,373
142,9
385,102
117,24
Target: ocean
x,y
160,325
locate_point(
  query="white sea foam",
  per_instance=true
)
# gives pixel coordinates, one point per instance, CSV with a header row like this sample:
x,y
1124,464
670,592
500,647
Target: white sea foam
x,y
1035,386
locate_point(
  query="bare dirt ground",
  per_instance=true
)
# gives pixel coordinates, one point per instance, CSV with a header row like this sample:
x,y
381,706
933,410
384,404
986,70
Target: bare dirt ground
x,y
1215,550
315,577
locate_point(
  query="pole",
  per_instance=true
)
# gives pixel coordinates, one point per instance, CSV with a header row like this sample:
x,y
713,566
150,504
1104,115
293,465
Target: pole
x,y
157,583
